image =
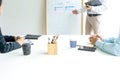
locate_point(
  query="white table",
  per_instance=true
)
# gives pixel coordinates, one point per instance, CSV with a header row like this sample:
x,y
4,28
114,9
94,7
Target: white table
x,y
68,64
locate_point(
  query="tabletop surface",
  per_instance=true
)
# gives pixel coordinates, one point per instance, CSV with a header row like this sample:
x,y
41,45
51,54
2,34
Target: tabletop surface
x,y
68,64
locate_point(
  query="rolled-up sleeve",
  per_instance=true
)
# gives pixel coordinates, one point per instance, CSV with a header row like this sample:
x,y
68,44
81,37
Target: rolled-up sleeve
x,y
111,48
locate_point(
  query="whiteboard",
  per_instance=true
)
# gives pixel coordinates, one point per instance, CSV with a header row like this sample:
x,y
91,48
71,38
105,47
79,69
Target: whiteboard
x,y
60,19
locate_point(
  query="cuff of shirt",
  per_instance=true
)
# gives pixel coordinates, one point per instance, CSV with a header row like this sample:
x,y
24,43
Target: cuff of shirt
x,y
99,43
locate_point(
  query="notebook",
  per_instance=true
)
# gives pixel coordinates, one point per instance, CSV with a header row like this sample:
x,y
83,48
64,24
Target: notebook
x,y
32,36
87,48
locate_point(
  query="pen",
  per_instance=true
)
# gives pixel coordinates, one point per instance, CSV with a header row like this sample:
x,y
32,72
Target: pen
x,y
56,37
53,39
48,40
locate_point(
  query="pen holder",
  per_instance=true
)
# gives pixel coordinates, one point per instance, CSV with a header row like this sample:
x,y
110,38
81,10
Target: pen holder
x,y
52,49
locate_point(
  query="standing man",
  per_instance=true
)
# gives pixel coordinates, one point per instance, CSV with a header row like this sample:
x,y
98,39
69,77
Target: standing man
x,y
9,43
94,10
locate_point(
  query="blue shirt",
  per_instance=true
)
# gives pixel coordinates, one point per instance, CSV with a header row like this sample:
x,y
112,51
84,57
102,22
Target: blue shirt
x,y
111,45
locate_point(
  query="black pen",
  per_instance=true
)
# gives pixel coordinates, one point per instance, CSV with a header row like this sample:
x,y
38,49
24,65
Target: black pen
x,y
53,39
48,40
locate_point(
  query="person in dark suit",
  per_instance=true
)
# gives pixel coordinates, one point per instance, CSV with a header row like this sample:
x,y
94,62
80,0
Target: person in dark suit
x,y
9,43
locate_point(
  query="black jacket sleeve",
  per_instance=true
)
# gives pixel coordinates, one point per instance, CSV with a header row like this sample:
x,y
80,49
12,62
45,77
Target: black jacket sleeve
x,y
9,38
6,45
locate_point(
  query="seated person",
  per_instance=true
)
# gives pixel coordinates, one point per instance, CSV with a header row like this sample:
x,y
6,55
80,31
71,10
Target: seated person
x,y
9,43
111,45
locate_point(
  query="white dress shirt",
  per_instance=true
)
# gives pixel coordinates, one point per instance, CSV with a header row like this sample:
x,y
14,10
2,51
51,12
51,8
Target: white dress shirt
x,y
99,9
96,9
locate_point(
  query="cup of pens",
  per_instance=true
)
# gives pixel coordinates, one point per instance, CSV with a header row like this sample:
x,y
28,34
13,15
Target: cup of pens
x,y
52,45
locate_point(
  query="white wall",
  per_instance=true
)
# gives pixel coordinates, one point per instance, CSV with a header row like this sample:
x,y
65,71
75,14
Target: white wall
x,y
110,20
22,17
28,16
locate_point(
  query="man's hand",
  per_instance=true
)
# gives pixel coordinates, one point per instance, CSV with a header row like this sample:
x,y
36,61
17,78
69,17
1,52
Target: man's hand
x,y
17,37
94,38
75,12
20,40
